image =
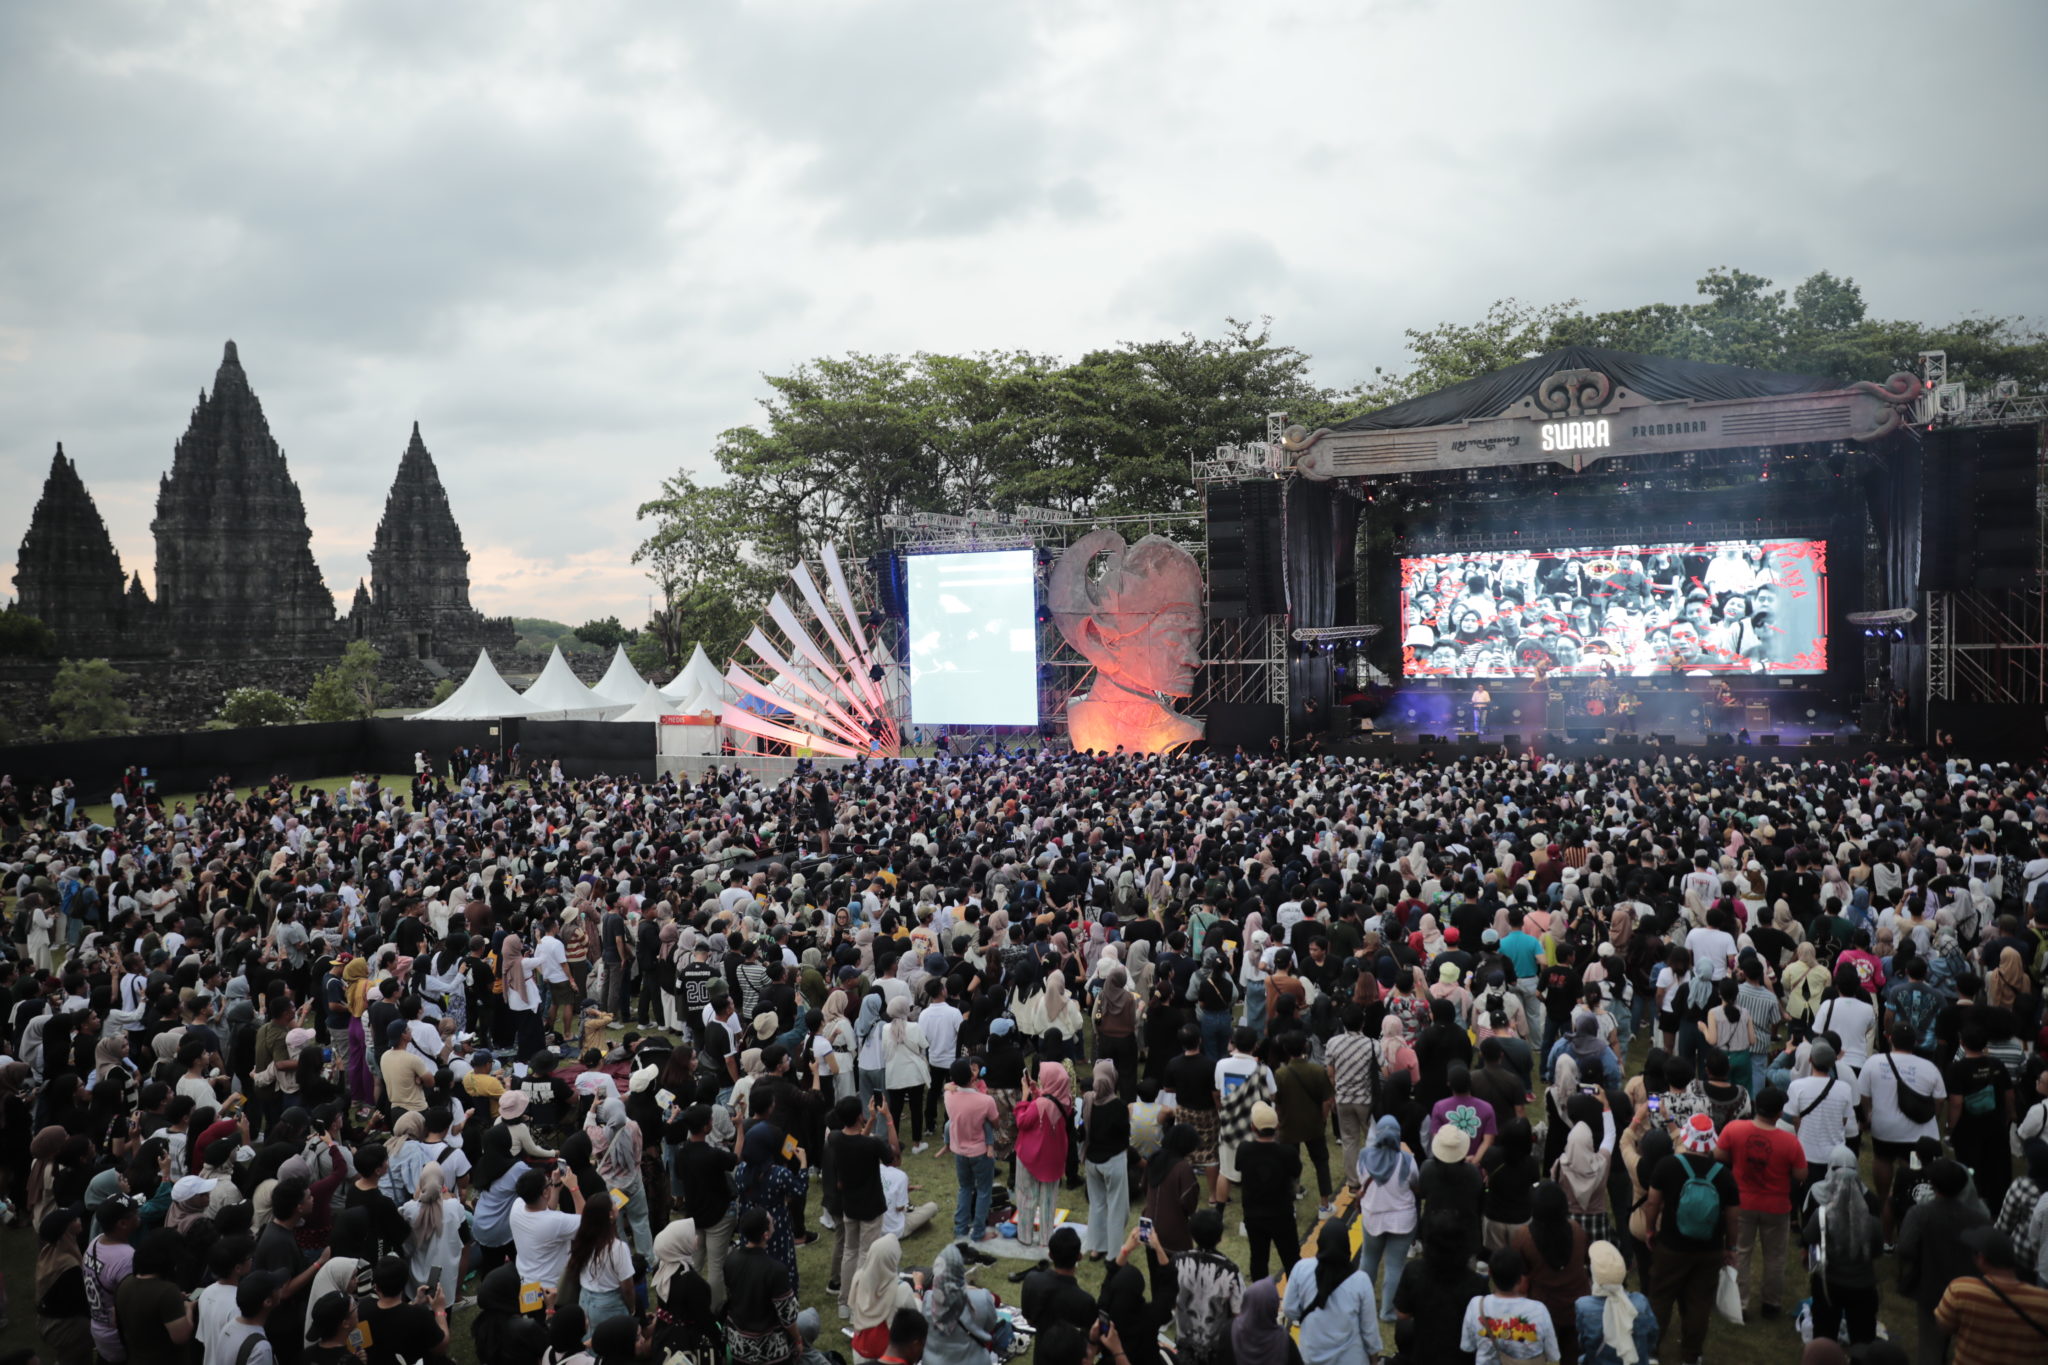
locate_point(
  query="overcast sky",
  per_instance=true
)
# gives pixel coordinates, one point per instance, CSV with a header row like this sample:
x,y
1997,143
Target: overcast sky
x,y
568,239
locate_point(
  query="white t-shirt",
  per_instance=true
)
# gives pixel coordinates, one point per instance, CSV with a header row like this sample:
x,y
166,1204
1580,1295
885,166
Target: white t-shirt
x,y
604,1272
1822,1124
1712,950
542,1242
941,1025
1877,1085
895,1200
216,1311
1852,1021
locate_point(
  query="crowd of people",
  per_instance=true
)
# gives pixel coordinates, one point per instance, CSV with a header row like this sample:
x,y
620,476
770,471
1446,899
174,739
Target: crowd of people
x,y
1498,1059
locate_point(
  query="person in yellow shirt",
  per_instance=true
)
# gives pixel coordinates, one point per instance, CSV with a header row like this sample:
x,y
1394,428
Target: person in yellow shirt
x,y
483,1083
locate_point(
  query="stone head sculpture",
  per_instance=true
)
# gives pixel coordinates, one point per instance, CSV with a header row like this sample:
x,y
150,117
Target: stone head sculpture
x,y
1140,623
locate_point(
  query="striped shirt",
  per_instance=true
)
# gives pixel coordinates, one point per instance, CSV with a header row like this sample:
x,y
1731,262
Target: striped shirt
x,y
1350,1057
1984,1328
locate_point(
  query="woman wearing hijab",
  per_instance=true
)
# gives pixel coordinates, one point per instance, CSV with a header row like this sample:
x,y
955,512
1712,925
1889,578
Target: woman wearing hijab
x,y
1387,1208
1116,1026
111,1054
362,1087
63,1315
437,1218
1251,976
765,1183
1257,1336
905,1071
1044,1121
502,1334
1845,1238
44,1149
869,1060
1105,1159
1614,1326
1581,1171
2008,987
442,988
522,998
1553,1248
1803,984
836,1059
1331,1303
875,1295
679,1297
616,1146
962,1318
1173,1189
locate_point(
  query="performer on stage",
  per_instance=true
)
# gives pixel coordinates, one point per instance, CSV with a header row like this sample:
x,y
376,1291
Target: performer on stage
x,y
1721,703
1481,700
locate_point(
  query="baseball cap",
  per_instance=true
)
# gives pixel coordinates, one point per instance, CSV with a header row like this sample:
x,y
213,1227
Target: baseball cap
x,y
1264,1117
191,1187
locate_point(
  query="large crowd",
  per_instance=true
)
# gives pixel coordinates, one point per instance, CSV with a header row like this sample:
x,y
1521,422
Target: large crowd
x,y
1328,1060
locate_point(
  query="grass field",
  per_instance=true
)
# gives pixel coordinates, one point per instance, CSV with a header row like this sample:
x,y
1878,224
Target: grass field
x,y
931,1175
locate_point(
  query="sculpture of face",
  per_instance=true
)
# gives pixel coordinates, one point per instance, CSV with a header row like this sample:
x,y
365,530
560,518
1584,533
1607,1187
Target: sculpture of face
x,y
1141,622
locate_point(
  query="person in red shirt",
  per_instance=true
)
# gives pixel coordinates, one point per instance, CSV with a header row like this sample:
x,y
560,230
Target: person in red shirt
x,y
1768,1162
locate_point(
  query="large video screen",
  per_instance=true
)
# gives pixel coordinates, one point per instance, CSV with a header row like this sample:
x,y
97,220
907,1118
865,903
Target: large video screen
x,y
973,639
1628,611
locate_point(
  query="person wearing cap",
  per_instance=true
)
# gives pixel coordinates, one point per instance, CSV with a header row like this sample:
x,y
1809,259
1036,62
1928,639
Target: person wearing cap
x,y
1267,1170
1687,1248
1933,1251
1821,1108
1993,1317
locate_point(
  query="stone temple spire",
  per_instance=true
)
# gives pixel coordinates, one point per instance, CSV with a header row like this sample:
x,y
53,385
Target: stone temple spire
x,y
418,562
235,571
67,571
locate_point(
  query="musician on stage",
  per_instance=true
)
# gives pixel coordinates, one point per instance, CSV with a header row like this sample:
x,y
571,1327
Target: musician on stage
x,y
1481,700
1720,703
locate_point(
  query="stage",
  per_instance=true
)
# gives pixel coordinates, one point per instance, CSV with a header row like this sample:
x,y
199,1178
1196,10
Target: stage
x,y
1413,748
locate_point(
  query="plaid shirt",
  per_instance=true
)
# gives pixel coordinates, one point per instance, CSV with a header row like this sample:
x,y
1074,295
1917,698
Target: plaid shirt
x,y
1234,1111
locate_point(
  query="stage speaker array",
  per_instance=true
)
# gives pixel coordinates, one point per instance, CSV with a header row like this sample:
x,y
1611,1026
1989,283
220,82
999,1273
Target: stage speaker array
x,y
1245,549
1980,526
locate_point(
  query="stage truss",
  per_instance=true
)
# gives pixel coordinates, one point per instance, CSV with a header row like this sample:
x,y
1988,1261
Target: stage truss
x,y
1991,645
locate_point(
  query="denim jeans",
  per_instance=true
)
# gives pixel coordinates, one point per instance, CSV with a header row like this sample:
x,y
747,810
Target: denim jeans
x,y
1215,1033
977,1177
1109,1204
1390,1249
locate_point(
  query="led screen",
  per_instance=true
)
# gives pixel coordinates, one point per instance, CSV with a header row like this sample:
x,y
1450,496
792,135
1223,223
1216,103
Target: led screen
x,y
1631,611
973,639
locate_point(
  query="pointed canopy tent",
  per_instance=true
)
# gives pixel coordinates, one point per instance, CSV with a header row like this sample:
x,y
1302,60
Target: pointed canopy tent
x,y
621,682
699,675
483,696
557,695
652,706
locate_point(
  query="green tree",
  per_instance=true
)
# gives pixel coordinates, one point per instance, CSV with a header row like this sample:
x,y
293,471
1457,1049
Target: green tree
x,y
649,657
605,634
347,691
23,635
258,706
86,700
443,690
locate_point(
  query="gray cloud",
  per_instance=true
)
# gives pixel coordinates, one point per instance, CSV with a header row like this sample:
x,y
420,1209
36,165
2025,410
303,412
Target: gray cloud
x,y
569,240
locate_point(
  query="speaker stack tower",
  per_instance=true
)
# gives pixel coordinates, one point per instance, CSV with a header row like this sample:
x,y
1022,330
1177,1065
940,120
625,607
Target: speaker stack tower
x,y
1244,549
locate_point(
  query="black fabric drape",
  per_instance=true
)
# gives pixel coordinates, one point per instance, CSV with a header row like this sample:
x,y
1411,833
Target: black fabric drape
x,y
1899,532
1321,528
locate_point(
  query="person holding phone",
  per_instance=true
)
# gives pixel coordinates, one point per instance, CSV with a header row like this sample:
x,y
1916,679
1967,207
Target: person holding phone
x,y
404,1327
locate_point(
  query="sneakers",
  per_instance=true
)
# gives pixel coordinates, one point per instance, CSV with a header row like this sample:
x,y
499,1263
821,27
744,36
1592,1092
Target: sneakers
x,y
844,1311
920,1149
827,1221
1326,1212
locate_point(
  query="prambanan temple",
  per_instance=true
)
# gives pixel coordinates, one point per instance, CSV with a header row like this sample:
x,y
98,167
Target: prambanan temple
x,y
235,576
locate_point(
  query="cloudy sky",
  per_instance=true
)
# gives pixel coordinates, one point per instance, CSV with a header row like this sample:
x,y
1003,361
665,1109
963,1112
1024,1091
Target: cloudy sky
x,y
568,239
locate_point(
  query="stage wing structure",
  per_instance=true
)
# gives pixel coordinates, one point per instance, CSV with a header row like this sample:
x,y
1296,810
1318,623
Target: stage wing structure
x,y
807,672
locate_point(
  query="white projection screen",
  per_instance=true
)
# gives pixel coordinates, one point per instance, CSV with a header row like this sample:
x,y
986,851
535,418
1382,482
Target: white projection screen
x,y
973,639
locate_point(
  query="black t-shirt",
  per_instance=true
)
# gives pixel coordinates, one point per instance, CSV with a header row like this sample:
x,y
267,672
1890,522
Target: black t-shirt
x,y
706,1194
1005,1069
612,930
1266,1171
1051,1297
409,935
1510,1185
857,1165
1669,1178
1192,1079
405,1333
1109,1131
1969,1076
1436,1306
142,1307
330,1355
1457,1188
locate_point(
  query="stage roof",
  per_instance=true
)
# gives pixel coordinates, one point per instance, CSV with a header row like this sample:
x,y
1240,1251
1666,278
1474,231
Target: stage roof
x,y
1654,377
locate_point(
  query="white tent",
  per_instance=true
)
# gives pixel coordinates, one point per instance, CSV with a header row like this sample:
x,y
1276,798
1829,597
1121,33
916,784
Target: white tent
x,y
483,696
557,695
700,676
652,706
621,682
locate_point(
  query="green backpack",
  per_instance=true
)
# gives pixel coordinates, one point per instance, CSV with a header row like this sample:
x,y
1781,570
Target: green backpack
x,y
1699,1203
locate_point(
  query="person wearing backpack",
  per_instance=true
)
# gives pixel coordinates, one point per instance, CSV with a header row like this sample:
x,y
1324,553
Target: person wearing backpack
x,y
1900,1094
1690,1210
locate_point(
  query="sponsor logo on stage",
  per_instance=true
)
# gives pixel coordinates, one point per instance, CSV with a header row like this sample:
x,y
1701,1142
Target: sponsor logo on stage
x,y
1591,435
